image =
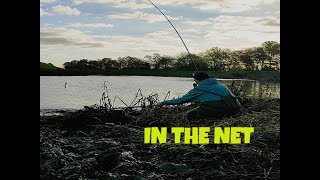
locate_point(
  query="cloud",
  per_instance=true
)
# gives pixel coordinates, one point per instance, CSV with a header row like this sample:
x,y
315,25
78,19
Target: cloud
x,y
43,13
186,2
160,35
144,4
233,32
264,8
133,5
163,42
93,25
196,23
233,24
60,44
156,36
47,1
224,23
227,6
269,22
62,37
67,10
77,2
129,4
150,18
206,5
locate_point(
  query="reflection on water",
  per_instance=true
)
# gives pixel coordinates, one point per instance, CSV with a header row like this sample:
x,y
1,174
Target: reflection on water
x,y
256,88
75,92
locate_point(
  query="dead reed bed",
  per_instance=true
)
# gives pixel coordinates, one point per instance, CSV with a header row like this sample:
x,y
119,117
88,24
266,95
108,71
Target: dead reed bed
x,y
106,142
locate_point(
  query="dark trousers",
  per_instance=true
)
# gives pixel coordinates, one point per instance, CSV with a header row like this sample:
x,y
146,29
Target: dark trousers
x,y
215,110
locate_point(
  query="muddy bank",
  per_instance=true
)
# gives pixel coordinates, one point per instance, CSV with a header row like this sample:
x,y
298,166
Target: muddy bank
x,y
95,143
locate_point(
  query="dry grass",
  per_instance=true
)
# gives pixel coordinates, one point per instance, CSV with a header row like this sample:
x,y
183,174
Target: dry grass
x,y
104,142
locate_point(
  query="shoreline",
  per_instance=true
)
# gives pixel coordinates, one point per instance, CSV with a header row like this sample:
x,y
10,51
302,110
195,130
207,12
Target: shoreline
x,y
270,76
96,144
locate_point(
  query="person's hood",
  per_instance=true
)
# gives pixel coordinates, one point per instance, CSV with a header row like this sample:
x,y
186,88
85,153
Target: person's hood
x,y
209,81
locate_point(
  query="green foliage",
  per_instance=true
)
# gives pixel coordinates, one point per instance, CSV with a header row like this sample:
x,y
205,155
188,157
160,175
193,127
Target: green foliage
x,y
160,62
263,58
48,66
217,58
272,49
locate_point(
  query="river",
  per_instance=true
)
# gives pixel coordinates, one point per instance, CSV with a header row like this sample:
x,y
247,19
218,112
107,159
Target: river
x,y
75,92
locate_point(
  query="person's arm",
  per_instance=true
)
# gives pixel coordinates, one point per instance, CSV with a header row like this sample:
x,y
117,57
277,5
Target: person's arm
x,y
184,99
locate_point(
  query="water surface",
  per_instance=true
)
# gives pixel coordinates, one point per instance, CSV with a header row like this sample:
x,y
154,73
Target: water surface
x,y
75,92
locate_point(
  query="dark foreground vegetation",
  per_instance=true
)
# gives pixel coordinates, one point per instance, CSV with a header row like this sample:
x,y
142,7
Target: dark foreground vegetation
x,y
103,142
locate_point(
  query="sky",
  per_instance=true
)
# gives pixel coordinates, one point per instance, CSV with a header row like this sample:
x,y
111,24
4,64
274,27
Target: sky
x,y
95,29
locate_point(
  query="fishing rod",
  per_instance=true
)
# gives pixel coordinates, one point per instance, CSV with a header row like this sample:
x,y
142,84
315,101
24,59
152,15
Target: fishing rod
x,y
177,33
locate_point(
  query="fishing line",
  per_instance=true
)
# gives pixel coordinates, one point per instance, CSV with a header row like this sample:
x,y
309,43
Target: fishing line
x,y
177,33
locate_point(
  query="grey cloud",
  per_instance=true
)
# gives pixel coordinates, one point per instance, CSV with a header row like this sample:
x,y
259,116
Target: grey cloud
x,y
55,41
272,32
66,42
46,34
89,44
148,50
200,3
56,38
268,22
260,10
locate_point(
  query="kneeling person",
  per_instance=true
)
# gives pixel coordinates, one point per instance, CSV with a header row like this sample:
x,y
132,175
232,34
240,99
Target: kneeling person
x,y
213,98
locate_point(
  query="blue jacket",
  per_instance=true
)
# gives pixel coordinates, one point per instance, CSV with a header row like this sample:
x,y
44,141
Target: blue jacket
x,y
197,94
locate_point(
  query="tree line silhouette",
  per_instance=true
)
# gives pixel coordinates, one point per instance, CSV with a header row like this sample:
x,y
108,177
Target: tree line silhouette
x,y
264,57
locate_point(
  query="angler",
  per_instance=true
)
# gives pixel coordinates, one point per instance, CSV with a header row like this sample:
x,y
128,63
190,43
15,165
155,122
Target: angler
x,y
213,99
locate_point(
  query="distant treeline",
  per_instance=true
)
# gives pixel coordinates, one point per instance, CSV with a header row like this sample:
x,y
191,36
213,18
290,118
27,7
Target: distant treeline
x,y
263,58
